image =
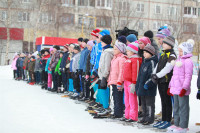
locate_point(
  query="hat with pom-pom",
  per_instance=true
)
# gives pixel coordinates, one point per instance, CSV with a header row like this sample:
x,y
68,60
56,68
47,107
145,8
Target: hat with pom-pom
x,y
187,47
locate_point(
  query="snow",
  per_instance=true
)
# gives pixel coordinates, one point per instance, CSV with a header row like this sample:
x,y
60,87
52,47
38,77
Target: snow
x,y
29,109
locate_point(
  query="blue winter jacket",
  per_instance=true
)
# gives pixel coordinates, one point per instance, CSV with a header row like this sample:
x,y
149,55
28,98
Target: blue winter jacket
x,y
93,54
64,60
144,78
83,59
47,66
99,50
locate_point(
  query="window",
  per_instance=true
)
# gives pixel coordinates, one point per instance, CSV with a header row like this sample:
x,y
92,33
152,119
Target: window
x,y
3,15
199,12
190,11
68,2
141,25
88,3
23,16
104,3
158,9
68,18
156,25
26,1
124,6
140,7
172,11
103,21
189,28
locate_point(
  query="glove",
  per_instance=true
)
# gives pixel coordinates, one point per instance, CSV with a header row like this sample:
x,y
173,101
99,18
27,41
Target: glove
x,y
182,93
198,94
146,87
154,78
132,88
87,77
168,92
103,83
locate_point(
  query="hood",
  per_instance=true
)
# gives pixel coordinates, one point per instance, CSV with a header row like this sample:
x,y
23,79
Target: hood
x,y
185,56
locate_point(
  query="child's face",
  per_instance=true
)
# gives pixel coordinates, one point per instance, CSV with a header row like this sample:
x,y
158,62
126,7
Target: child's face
x,y
79,42
141,45
103,44
51,52
160,40
166,46
84,44
76,51
65,49
116,51
147,55
89,47
54,50
46,53
180,52
61,55
129,53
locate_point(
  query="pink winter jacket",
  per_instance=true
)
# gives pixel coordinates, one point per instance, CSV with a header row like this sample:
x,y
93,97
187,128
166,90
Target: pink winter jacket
x,y
13,65
116,70
182,75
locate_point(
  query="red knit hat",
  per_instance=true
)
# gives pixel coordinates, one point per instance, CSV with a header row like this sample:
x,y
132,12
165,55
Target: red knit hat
x,y
145,40
66,46
95,32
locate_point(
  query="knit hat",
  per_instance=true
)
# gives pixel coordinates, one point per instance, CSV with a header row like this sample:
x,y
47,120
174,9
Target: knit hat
x,y
85,40
56,47
122,39
170,40
80,39
121,46
106,39
131,38
72,45
51,49
163,33
133,47
187,47
150,49
94,32
66,46
45,50
148,34
145,40
104,32
91,43
77,47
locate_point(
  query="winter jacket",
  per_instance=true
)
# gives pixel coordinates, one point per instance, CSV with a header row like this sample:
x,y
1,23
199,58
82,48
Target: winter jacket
x,y
47,66
93,54
31,65
165,66
116,70
54,60
98,55
105,63
25,62
68,60
131,68
64,60
37,64
57,69
75,64
144,78
83,59
88,65
182,75
13,65
198,80
71,62
43,61
20,62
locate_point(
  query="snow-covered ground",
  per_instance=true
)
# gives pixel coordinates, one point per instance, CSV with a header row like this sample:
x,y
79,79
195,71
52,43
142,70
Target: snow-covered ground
x,y
28,109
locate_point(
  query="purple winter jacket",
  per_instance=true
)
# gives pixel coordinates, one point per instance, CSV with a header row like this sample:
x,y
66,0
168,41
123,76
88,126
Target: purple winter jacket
x,y
182,75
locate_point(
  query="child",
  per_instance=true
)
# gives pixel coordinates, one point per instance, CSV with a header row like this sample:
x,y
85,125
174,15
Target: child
x,y
25,66
162,75
19,65
49,82
131,70
180,87
145,88
58,75
44,74
37,69
116,79
103,73
13,65
75,67
31,70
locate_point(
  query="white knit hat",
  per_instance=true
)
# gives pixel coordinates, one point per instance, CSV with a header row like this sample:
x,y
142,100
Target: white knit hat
x,y
121,46
187,47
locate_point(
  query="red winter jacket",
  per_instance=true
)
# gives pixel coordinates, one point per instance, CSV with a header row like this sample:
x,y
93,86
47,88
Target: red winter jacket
x,y
131,68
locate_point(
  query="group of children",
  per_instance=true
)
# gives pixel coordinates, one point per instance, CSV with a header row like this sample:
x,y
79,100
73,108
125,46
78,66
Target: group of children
x,y
132,70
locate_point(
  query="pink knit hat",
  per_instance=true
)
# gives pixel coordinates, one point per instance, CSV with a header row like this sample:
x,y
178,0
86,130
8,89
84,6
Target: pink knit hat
x,y
133,47
51,49
145,40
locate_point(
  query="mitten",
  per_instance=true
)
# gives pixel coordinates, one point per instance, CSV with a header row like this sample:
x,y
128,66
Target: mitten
x,y
168,92
154,78
182,93
132,88
198,94
146,87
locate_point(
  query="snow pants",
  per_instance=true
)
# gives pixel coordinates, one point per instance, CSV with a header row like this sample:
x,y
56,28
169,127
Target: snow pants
x,y
118,101
65,81
165,102
49,84
181,111
131,103
104,97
